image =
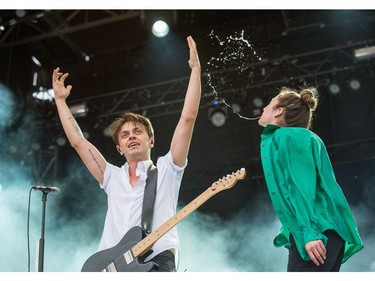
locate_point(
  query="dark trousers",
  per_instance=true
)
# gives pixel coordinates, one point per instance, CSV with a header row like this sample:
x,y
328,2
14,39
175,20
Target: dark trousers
x,y
165,261
335,251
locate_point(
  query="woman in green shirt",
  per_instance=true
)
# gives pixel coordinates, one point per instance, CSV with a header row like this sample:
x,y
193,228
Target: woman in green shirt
x,y
318,227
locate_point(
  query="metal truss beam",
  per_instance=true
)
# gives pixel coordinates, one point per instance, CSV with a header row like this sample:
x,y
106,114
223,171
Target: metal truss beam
x,y
56,25
167,97
44,165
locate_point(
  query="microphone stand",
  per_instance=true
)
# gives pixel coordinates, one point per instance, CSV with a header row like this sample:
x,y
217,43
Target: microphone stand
x,y
41,240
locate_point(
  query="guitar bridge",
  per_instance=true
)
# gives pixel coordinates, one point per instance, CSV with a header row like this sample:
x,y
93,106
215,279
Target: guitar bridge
x,y
111,268
119,262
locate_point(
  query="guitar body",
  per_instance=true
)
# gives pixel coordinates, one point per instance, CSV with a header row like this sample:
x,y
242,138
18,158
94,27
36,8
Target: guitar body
x,y
102,259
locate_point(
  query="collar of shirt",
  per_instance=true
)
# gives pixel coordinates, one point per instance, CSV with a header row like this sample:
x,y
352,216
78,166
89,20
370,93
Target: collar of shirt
x,y
269,130
142,167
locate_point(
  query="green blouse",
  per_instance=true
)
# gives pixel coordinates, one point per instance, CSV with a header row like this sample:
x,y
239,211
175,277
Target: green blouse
x,y
303,190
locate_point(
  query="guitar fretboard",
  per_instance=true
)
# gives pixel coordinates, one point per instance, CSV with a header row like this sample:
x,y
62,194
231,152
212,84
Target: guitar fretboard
x,y
145,245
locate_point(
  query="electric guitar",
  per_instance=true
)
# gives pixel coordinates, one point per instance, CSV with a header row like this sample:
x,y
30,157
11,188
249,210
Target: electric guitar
x,y
129,253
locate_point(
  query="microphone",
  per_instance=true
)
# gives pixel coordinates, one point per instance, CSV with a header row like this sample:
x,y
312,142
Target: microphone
x,y
47,188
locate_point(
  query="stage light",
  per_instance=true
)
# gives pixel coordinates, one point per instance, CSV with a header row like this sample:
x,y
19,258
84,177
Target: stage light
x,y
236,108
354,84
79,109
35,146
61,141
106,132
364,53
35,79
257,112
258,102
86,134
20,13
218,117
44,94
36,61
334,88
218,113
160,28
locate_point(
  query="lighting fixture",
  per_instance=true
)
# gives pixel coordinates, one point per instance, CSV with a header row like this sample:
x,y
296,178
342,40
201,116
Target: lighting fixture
x,y
160,28
79,109
364,53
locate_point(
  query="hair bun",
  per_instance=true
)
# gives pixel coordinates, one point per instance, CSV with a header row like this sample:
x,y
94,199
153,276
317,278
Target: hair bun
x,y
308,97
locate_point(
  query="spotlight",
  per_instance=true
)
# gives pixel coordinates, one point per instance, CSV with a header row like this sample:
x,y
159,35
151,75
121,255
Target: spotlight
x,y
106,132
354,84
218,117
35,79
258,102
236,108
160,28
35,146
334,88
20,13
61,141
218,113
257,112
364,53
36,61
79,109
44,94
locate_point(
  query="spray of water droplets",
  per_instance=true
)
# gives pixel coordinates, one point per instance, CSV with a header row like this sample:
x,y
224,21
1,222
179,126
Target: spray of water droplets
x,y
235,52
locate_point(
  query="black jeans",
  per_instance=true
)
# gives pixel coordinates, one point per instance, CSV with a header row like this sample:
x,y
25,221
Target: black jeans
x,y
165,261
335,252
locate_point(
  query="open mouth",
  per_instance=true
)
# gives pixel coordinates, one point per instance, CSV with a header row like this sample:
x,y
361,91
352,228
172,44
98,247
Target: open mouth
x,y
133,144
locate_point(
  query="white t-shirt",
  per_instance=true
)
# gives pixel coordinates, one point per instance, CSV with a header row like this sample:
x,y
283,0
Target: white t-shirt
x,y
125,202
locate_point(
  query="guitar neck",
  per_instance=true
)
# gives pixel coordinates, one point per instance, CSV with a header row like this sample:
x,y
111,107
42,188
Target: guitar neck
x,y
146,244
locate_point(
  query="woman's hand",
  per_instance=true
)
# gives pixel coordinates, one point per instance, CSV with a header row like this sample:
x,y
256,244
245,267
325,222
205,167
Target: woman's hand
x,y
317,251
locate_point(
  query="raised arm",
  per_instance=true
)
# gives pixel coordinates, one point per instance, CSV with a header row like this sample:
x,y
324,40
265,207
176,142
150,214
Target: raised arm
x,y
183,133
91,157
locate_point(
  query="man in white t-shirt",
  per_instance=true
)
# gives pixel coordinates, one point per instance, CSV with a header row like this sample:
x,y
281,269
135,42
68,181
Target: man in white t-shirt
x,y
134,138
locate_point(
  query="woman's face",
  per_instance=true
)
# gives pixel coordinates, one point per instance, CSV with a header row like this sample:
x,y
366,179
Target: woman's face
x,y
270,112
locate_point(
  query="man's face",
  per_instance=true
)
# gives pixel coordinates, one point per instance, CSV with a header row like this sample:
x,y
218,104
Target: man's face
x,y
134,142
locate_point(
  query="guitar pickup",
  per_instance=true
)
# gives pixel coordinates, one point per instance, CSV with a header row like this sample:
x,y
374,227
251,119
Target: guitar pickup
x,y
128,257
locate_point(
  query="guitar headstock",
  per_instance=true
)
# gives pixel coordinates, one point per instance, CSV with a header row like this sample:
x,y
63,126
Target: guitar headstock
x,y
228,181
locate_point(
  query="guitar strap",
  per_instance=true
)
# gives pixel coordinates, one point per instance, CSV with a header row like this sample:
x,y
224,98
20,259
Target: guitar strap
x,y
149,199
